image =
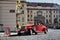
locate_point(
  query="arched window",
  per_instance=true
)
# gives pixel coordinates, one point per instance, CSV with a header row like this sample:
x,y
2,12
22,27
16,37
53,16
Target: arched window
x,y
39,12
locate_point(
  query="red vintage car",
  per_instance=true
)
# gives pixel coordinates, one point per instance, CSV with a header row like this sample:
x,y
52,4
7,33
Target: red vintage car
x,y
40,28
30,29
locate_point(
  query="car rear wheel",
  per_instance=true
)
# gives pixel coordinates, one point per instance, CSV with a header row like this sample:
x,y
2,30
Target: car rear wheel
x,y
19,33
35,33
45,32
29,32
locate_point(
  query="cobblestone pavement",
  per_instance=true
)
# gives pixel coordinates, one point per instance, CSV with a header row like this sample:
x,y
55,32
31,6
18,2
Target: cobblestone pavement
x,y
51,35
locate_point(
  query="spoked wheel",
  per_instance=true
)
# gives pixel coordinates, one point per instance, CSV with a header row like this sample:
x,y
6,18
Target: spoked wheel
x,y
29,32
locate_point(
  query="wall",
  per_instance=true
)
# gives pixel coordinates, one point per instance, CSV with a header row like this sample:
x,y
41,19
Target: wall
x,y
7,18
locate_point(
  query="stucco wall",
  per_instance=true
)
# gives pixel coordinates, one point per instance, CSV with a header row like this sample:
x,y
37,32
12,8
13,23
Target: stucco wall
x,y
7,18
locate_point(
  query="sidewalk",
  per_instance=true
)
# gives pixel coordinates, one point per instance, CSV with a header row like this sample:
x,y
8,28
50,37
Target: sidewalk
x,y
3,34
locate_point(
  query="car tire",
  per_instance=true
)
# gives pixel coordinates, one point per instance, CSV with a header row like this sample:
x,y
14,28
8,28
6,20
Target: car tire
x,y
35,33
19,33
29,32
45,32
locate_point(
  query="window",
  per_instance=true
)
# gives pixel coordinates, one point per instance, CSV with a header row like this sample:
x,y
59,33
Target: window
x,y
12,11
31,19
31,15
28,15
59,19
59,15
21,8
54,11
18,18
23,24
55,20
17,1
46,15
22,12
46,20
59,11
47,11
49,20
54,15
28,11
49,16
35,14
50,11
40,11
28,19
22,19
22,5
31,11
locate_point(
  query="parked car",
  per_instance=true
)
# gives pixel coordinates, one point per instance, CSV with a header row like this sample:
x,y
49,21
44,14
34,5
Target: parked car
x,y
30,29
25,29
41,28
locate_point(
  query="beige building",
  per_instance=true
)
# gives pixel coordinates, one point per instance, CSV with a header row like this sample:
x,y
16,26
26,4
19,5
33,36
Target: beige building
x,y
8,14
22,16
28,10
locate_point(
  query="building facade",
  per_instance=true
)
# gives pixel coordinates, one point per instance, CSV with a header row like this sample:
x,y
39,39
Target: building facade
x,y
8,15
28,10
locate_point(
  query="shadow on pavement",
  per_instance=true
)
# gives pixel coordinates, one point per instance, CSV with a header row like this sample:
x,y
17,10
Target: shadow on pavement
x,y
25,35
18,35
13,35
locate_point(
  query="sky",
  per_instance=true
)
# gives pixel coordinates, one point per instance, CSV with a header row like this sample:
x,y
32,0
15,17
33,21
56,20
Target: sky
x,y
45,1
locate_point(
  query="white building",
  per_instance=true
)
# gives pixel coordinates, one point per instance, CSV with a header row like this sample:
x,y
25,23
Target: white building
x,y
50,11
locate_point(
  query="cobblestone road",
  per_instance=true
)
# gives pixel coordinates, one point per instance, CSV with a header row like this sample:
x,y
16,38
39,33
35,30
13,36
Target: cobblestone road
x,y
51,35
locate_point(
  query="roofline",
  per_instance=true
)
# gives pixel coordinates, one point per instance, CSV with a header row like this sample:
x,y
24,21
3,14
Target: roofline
x,y
42,9
5,2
